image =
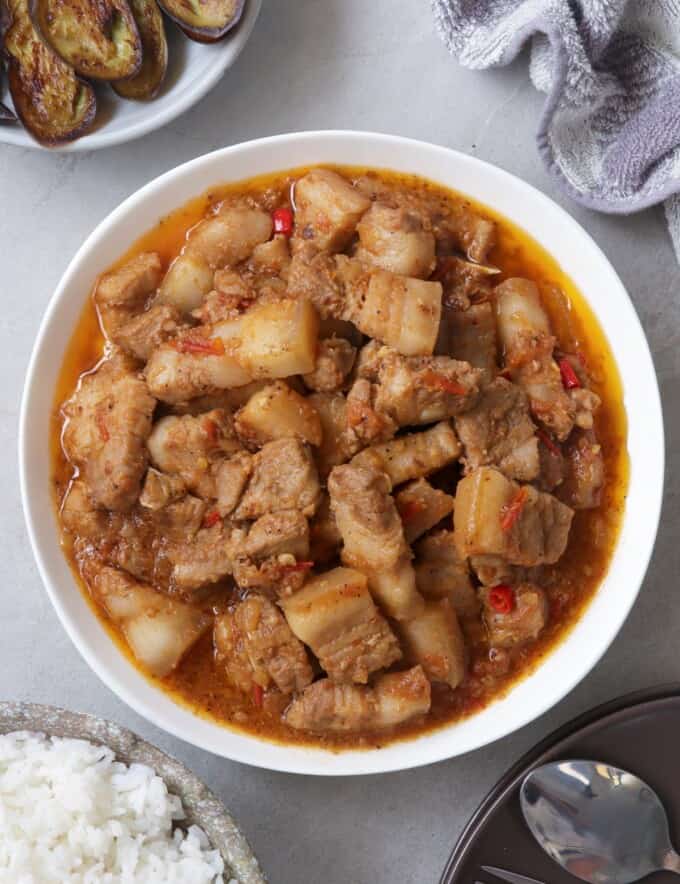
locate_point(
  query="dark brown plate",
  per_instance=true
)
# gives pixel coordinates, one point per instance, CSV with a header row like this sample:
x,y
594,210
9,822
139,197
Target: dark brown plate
x,y
639,732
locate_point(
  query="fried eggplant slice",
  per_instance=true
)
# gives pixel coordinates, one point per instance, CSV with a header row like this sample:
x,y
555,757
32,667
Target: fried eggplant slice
x,y
148,79
205,21
54,105
98,38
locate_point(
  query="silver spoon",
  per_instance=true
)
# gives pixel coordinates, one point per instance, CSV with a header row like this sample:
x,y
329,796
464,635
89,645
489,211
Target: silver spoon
x,y
600,823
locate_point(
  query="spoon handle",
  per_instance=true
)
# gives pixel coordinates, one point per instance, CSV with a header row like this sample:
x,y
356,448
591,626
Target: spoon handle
x,y
671,862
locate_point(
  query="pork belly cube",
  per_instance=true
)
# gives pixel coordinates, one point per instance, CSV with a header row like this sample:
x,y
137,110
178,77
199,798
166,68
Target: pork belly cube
x,y
492,570
79,515
142,334
284,477
257,648
231,478
176,374
442,574
373,538
434,640
421,390
327,209
326,706
325,539
272,256
275,534
495,516
421,507
160,489
584,471
470,336
202,560
472,233
225,239
278,338
334,361
400,311
412,456
108,422
181,519
314,277
499,432
523,623
276,412
338,441
369,425
527,339
335,615
188,446
158,629
124,292
395,239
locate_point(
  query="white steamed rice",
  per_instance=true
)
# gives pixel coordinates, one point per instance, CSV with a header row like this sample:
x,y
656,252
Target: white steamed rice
x,y
71,814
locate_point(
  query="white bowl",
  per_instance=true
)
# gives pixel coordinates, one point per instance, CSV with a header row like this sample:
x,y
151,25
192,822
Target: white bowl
x,y
193,70
579,256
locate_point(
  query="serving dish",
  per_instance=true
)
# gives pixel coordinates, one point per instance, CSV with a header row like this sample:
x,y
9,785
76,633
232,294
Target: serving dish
x,y
201,807
578,256
193,70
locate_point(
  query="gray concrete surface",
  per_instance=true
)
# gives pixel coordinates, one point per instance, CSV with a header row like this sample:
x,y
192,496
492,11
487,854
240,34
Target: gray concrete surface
x,y
321,64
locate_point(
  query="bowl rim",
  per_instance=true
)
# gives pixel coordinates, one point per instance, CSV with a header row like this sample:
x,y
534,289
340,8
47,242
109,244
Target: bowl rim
x,y
433,745
225,54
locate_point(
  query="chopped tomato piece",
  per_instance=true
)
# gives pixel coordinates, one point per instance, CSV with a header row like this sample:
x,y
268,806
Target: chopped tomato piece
x,y
195,344
211,518
514,509
283,221
440,382
548,442
258,695
502,598
569,377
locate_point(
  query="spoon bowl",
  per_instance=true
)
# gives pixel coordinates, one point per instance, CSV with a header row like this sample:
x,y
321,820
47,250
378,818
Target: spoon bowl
x,y
600,823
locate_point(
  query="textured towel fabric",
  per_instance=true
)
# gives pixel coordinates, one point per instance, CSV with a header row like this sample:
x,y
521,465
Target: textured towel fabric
x,y
610,128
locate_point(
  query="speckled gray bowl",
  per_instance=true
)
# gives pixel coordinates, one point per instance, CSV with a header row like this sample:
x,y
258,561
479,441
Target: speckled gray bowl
x,y
200,805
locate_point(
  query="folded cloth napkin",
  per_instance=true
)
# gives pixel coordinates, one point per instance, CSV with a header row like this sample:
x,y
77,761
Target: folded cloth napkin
x,y
610,129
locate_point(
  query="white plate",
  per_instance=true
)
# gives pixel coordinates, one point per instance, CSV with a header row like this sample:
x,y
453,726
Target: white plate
x,y
581,259
193,69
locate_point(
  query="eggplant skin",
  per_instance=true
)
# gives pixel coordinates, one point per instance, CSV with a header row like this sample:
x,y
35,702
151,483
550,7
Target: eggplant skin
x,y
205,21
98,38
54,104
147,81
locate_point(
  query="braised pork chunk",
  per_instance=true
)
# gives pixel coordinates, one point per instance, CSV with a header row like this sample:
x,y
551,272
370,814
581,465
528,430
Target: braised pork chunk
x,y
346,459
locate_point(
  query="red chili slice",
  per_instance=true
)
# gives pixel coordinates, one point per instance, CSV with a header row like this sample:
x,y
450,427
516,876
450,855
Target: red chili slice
x,y
410,509
502,598
200,346
570,379
211,518
283,221
548,442
298,566
440,382
514,509
258,695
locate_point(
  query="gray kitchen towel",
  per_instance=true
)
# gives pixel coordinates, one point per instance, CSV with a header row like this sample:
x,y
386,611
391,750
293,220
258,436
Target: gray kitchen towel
x,y
610,129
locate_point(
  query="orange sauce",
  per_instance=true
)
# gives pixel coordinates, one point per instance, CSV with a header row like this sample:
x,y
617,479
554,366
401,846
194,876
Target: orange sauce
x,y
197,682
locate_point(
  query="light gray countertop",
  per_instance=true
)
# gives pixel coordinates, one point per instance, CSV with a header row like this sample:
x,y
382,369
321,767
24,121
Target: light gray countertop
x,y
322,64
